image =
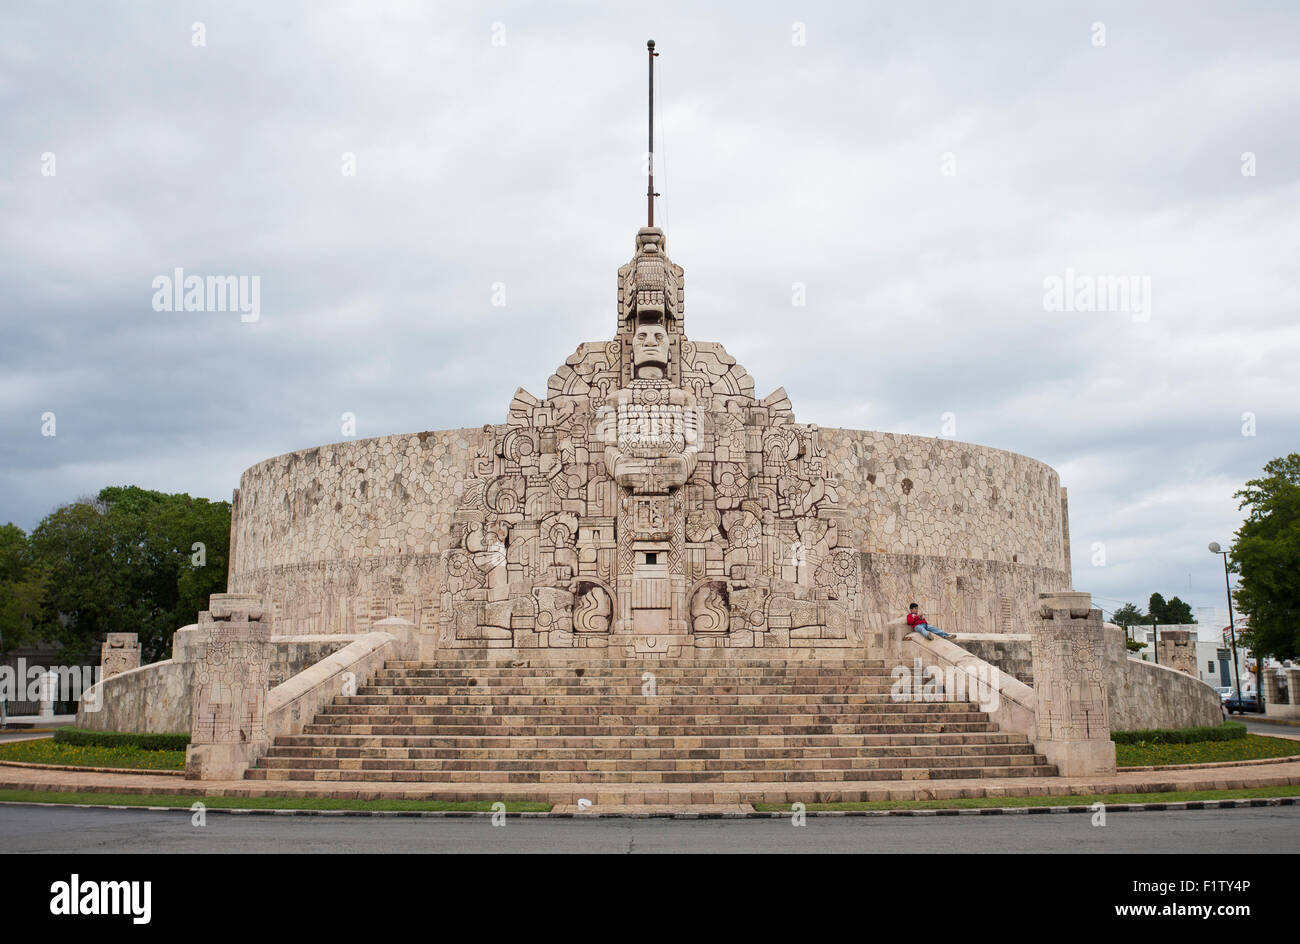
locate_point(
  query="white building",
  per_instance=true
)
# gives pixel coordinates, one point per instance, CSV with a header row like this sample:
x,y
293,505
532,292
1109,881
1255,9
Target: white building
x,y
1213,650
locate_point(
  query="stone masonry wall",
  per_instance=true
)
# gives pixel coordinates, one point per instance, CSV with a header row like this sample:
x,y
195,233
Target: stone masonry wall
x,y
338,537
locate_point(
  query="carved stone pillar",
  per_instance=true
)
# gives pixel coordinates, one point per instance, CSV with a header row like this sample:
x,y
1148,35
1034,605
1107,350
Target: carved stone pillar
x,y
119,653
231,651
1073,719
49,688
1177,650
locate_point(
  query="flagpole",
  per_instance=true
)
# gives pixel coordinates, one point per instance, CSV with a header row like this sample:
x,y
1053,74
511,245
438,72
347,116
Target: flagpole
x,y
650,151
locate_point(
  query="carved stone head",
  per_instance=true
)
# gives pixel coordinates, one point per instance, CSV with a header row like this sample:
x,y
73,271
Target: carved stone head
x,y
650,352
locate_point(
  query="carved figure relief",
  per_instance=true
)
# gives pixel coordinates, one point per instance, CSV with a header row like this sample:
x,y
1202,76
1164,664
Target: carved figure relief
x,y
650,500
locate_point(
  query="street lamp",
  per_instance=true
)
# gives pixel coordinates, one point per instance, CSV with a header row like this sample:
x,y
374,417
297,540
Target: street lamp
x,y
1232,625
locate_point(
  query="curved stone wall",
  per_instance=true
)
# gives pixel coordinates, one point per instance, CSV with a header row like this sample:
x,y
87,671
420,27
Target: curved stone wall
x,y
340,536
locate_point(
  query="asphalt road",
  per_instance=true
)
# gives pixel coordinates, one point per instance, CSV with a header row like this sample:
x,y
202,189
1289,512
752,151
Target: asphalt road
x,y
1270,728
70,830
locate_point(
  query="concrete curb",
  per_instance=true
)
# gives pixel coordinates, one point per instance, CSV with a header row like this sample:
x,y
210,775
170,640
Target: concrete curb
x,y
90,770
1253,762
753,814
660,796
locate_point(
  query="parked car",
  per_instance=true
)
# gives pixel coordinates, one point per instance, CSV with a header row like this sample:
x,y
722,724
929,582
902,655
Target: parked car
x,y
1246,703
1225,692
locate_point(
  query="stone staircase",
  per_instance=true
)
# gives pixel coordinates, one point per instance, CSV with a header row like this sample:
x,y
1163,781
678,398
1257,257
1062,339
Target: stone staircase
x,y
726,722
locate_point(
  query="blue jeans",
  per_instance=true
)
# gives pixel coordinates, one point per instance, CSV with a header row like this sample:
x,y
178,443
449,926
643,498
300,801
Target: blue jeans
x,y
925,629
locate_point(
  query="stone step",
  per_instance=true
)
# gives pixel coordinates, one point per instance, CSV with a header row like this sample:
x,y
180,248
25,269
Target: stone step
x,y
852,742
586,672
652,776
662,730
693,663
668,704
659,764
644,754
744,721
490,716
629,691
653,708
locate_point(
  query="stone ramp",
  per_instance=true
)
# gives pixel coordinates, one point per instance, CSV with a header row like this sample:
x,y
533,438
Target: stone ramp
x,y
622,722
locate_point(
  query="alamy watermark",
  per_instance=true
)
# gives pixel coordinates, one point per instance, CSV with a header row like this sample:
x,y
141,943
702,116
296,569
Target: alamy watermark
x,y
56,683
1112,293
181,292
976,682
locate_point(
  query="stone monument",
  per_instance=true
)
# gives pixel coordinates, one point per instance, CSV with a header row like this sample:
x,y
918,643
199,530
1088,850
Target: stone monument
x,y
1177,650
232,654
1070,681
649,502
119,653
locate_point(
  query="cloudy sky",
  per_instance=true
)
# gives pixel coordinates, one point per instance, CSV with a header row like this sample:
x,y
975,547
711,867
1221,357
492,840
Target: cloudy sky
x,y
923,173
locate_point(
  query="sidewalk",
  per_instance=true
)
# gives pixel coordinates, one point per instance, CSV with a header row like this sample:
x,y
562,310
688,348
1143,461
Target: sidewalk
x,y
657,795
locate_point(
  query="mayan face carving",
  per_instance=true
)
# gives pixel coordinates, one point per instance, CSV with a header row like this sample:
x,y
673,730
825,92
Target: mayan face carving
x,y
650,352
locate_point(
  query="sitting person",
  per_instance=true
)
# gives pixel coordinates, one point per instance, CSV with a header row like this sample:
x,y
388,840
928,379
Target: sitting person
x,y
917,621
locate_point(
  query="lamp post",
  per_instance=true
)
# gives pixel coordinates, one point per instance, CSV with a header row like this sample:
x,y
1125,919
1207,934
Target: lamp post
x,y
1232,623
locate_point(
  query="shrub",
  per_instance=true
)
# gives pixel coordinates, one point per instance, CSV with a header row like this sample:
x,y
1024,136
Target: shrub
x,y
145,742
1228,731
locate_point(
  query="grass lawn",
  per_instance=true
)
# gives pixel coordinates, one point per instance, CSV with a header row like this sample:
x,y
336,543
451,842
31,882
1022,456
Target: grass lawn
x,y
1110,799
1251,747
45,751
262,803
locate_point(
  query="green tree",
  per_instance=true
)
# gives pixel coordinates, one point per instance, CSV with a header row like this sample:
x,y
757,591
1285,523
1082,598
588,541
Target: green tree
x,y
1266,556
1171,611
124,561
1177,612
22,585
1128,615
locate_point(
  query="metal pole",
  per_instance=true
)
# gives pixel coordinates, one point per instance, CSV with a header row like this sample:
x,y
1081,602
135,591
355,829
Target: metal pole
x,y
1155,640
1232,627
650,188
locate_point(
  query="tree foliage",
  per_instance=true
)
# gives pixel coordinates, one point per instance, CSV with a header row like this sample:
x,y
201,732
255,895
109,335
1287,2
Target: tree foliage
x,y
1128,615
1168,612
22,585
1165,612
126,561
1266,556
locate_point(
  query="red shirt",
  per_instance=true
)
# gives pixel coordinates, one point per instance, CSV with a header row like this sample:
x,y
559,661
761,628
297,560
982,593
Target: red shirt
x,y
914,618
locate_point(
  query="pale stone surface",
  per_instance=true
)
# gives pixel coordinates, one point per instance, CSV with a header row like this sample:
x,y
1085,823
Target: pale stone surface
x,y
1140,695
1145,696
153,699
297,701
1073,724
156,698
1177,650
231,660
49,689
119,653
1009,701
1011,653
1275,706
